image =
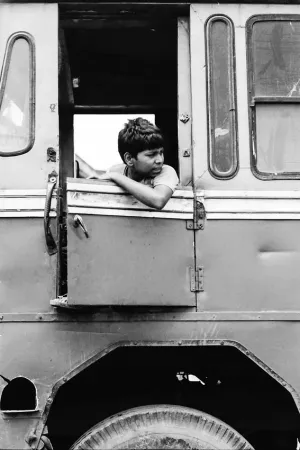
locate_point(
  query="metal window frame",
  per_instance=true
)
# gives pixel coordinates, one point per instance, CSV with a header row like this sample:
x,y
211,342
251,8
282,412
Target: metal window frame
x,y
32,75
232,97
254,100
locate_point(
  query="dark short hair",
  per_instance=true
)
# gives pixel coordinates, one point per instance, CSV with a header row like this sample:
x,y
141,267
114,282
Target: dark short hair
x,y
139,135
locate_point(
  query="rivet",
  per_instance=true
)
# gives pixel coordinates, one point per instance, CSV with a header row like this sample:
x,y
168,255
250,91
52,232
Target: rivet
x,y
184,118
1,317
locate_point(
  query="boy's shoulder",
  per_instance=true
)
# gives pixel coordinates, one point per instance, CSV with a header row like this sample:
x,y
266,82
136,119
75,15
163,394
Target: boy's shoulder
x,y
168,171
167,176
120,168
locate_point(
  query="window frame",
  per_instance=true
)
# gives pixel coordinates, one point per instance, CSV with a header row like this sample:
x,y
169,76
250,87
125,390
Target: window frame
x,y
32,76
254,100
232,98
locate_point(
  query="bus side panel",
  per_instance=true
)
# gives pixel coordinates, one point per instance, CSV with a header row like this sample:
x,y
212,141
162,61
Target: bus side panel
x,y
250,265
27,272
26,269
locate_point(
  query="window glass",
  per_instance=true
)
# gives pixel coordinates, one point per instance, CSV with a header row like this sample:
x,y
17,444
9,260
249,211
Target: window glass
x,y
278,138
221,95
276,49
274,88
96,137
16,110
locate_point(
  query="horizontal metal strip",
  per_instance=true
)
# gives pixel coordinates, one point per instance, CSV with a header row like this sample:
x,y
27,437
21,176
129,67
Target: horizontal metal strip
x,y
119,201
112,189
25,203
218,194
25,214
130,213
252,216
247,205
23,192
133,315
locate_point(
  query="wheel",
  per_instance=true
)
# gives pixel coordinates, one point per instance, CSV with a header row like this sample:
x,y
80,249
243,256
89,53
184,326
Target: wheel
x,y
162,427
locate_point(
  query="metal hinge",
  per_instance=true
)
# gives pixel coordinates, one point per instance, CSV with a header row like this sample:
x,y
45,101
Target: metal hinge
x,y
196,279
199,217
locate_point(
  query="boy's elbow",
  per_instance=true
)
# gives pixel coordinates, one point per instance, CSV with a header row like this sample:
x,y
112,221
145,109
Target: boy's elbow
x,y
159,203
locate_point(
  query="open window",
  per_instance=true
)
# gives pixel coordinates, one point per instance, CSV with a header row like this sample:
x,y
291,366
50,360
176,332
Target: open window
x,y
116,66
100,149
273,43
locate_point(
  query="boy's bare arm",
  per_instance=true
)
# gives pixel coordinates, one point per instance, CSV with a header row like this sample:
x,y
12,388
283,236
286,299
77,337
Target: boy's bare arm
x,y
156,197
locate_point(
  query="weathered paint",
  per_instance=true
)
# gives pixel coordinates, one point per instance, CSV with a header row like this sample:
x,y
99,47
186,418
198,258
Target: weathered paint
x,y
65,349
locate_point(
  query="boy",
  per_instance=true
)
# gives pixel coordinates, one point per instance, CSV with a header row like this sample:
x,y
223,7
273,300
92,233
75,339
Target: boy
x,y
143,174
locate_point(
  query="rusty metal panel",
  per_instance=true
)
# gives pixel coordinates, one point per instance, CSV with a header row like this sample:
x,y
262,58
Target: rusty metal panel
x,y
40,21
130,261
249,265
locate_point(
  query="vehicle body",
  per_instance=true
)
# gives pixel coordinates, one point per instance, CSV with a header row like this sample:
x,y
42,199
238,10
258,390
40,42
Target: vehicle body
x,y
196,305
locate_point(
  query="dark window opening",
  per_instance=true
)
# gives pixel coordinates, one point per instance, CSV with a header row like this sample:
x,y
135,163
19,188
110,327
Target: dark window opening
x,y
117,67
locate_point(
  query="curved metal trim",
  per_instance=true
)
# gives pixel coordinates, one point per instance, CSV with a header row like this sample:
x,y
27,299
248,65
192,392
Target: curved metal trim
x,y
4,74
173,343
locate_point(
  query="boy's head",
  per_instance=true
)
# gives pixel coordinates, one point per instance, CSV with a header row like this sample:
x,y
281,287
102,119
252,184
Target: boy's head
x,y
137,136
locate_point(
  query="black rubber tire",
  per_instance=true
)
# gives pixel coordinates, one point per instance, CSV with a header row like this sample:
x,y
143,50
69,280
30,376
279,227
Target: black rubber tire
x,y
162,427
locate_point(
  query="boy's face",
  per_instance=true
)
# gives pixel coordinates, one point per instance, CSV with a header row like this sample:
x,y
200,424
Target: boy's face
x,y
148,163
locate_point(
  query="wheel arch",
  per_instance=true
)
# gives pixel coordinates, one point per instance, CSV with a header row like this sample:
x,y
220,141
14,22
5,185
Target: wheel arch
x,y
182,344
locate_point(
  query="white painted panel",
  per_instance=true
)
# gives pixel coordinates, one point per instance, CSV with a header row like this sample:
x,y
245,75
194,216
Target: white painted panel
x,y
41,22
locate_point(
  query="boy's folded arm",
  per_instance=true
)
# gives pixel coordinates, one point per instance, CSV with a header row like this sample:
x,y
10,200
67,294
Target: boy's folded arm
x,y
156,197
